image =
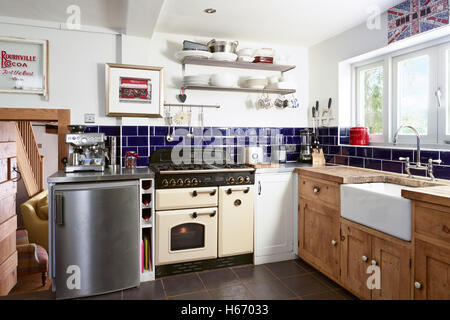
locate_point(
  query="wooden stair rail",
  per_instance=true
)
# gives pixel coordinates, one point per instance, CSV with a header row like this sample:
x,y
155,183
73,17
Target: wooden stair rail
x,y
30,161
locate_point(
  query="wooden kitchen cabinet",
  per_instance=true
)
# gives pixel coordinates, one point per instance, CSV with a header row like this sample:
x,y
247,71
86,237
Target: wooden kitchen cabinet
x,y
275,208
319,224
318,230
431,272
432,251
395,264
362,247
356,252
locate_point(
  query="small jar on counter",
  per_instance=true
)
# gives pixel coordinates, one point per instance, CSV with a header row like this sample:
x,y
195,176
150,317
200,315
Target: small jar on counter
x,y
131,158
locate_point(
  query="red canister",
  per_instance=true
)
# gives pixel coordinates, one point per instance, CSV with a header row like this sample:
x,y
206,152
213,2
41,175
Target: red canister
x,y
359,136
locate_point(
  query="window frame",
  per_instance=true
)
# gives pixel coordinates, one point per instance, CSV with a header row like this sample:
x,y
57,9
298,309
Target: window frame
x,y
359,114
444,85
441,118
431,136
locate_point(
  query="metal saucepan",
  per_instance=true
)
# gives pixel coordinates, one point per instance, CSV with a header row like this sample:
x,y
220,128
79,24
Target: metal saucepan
x,y
222,46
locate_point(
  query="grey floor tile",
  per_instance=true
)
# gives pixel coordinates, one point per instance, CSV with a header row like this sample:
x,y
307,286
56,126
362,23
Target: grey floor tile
x,y
219,278
325,280
109,296
285,268
270,290
305,285
239,292
200,295
177,285
152,290
254,273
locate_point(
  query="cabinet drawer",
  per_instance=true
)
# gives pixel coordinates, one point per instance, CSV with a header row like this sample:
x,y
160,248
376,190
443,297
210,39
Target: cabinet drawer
x,y
186,198
432,221
319,190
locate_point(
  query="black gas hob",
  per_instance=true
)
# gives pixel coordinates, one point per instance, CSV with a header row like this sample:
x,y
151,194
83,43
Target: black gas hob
x,y
209,172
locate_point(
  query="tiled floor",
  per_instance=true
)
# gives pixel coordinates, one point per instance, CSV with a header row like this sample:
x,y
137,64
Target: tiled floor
x,y
290,280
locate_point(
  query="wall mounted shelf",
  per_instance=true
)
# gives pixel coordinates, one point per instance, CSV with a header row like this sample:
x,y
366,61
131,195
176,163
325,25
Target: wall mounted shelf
x,y
237,89
236,64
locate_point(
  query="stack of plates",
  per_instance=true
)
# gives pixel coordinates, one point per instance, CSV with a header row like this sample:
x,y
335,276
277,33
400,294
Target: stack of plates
x,y
255,83
197,80
180,55
224,56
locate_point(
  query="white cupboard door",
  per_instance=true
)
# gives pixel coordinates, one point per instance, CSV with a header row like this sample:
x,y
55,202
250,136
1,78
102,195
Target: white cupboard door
x,y
235,220
274,214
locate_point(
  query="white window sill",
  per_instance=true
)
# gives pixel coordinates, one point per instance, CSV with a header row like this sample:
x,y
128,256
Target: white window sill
x,y
405,146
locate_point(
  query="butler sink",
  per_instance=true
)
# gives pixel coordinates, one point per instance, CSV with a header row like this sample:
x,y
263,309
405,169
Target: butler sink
x,y
379,206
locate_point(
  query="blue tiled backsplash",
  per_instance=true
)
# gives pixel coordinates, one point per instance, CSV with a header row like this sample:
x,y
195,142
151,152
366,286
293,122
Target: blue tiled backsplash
x,y
147,139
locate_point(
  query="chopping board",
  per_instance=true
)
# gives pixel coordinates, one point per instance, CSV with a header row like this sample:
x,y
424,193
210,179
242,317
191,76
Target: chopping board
x,y
263,165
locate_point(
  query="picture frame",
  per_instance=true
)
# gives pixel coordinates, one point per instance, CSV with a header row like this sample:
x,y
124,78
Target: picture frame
x,y
24,66
134,91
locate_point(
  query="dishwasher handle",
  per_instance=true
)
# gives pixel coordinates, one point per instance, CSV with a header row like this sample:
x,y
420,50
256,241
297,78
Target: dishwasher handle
x,y
59,217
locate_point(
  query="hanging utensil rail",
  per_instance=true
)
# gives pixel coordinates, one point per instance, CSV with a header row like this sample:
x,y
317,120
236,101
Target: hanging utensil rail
x,y
217,106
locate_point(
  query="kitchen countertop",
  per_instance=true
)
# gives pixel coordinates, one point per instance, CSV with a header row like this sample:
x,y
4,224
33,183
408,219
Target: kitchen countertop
x,y
107,175
284,167
438,195
437,192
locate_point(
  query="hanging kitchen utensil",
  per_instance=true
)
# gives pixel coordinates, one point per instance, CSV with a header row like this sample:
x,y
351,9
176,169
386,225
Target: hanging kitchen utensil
x,y
190,135
180,117
182,96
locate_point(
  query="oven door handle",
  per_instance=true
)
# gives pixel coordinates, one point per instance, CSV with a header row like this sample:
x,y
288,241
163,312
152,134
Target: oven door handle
x,y
196,214
245,190
195,193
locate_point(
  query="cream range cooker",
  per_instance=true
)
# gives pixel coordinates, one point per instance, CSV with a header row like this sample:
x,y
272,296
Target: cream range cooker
x,y
203,211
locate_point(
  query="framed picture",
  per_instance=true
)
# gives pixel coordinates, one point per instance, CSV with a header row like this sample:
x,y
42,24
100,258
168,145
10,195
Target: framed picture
x,y
24,66
134,91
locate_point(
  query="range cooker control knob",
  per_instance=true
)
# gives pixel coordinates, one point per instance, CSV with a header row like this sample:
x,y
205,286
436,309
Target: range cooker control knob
x,y
165,183
180,182
173,183
231,180
247,179
194,182
240,179
187,182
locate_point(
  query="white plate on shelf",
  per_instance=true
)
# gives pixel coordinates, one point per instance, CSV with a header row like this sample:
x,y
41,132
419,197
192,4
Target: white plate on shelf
x,y
180,55
224,56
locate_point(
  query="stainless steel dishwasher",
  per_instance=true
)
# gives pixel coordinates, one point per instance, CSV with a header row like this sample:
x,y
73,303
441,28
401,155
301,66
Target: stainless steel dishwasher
x,y
94,238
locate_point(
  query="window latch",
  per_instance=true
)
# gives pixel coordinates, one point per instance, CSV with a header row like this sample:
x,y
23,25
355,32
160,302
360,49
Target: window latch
x,y
438,97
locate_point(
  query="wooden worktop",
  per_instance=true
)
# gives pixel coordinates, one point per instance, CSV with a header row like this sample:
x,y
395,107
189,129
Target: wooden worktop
x,y
437,195
343,174
437,192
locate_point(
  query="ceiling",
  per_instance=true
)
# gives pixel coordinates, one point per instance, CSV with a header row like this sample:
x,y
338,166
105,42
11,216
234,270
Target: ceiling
x,y
299,22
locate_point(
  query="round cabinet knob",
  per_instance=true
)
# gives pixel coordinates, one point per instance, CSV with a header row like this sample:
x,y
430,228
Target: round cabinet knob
x,y
165,183
240,179
333,242
374,263
231,180
364,258
316,189
180,182
173,183
194,181
247,179
417,285
187,182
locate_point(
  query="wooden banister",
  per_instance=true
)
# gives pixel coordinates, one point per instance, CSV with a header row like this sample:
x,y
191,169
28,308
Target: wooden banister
x,y
35,160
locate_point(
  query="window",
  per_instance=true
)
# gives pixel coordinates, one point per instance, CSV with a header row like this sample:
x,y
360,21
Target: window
x,y
371,99
405,89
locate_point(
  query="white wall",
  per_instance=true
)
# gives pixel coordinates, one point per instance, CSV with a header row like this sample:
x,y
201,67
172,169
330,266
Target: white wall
x,y
77,77
325,56
49,149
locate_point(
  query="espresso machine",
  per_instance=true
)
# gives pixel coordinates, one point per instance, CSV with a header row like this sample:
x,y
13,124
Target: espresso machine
x,y
87,151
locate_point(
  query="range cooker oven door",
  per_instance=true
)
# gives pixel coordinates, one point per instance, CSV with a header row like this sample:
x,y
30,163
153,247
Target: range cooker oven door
x,y
186,235
235,220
